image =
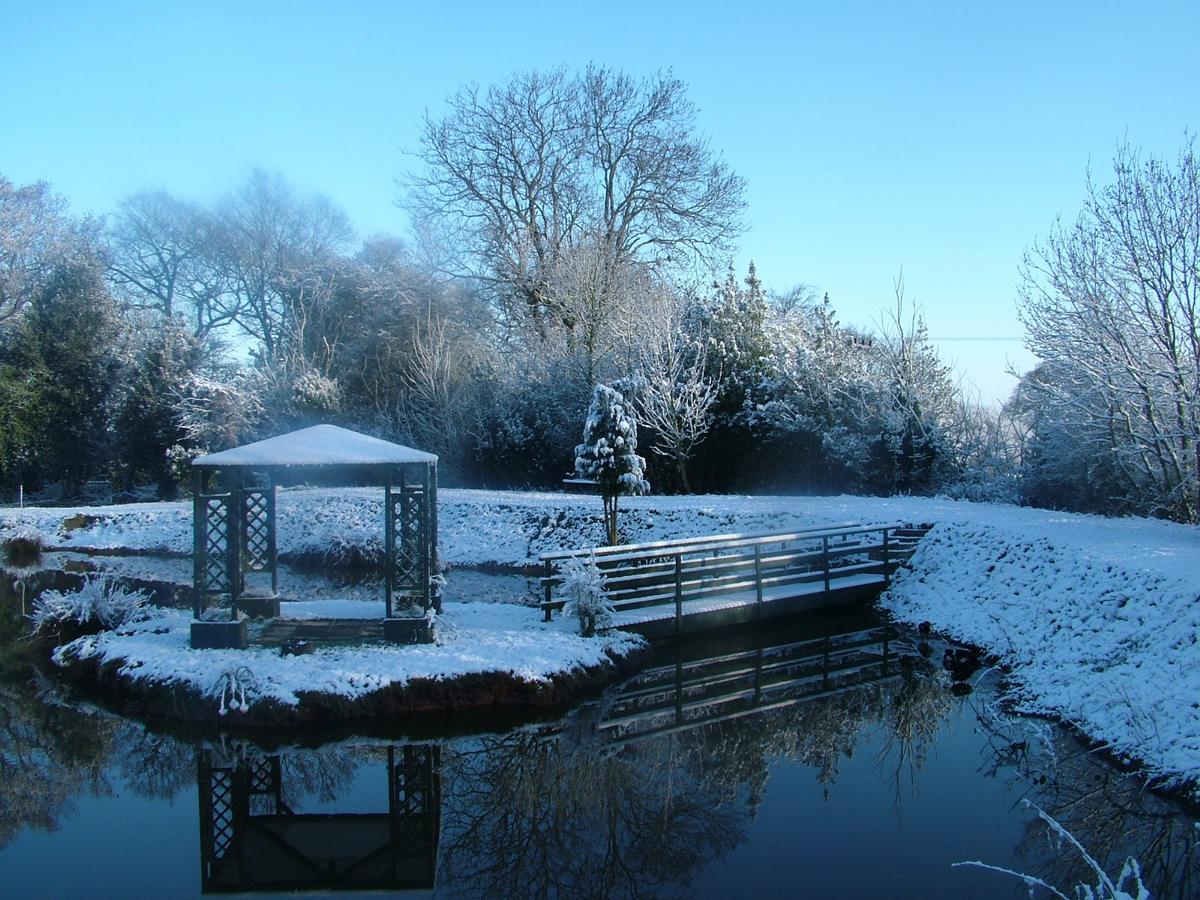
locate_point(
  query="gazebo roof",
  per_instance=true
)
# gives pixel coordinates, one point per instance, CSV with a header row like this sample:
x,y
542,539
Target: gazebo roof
x,y
320,445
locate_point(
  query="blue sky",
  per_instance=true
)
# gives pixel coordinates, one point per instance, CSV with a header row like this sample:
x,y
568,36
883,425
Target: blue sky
x,y
938,137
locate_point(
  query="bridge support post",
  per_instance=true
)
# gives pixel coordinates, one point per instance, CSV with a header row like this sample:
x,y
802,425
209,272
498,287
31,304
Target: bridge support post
x,y
825,562
678,592
758,589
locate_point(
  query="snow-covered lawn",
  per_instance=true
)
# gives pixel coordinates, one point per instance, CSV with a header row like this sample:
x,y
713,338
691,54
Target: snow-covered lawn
x,y
472,638
1099,618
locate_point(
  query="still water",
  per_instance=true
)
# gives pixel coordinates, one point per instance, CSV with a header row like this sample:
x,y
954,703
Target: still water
x,y
830,758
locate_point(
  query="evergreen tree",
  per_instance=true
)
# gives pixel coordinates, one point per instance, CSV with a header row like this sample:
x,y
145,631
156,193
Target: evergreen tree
x,y
738,359
147,415
608,454
67,349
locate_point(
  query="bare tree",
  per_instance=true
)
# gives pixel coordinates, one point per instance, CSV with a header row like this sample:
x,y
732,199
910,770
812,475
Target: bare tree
x,y
1112,302
676,393
923,396
268,241
164,258
36,237
545,163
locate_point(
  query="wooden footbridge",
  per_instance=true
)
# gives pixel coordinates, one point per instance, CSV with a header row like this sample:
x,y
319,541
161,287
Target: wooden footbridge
x,y
667,588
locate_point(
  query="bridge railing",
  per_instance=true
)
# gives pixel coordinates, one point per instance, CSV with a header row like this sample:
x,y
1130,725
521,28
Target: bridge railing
x,y
759,565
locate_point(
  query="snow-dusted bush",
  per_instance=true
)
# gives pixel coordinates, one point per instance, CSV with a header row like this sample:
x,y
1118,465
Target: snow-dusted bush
x,y
314,392
583,586
179,461
101,603
235,689
23,548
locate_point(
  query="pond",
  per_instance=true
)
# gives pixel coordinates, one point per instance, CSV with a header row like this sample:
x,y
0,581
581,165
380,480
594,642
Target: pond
x,y
833,757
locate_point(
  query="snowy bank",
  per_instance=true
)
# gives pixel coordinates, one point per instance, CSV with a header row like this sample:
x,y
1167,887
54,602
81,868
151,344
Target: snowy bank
x,y
1111,648
1098,617
506,654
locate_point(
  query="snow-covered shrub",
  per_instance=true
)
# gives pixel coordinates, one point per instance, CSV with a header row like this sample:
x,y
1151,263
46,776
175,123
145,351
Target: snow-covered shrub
x,y
22,548
583,586
179,461
234,689
313,392
100,604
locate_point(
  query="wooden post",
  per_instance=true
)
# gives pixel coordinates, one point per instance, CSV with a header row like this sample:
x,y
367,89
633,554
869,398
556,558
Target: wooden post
x,y
825,563
546,583
678,592
233,555
426,543
199,541
389,545
272,533
758,585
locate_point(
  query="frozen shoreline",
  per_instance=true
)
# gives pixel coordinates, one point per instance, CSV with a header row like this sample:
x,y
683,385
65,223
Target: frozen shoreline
x,y
1098,618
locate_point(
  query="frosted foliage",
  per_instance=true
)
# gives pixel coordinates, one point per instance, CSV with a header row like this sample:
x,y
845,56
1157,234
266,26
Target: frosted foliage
x,y
313,391
1126,886
608,453
235,689
583,585
100,600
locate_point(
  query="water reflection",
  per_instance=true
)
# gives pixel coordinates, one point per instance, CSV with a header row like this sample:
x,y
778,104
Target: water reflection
x,y
646,792
253,836
1113,814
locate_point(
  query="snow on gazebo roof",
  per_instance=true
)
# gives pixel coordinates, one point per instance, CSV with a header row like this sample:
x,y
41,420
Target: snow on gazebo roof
x,y
320,445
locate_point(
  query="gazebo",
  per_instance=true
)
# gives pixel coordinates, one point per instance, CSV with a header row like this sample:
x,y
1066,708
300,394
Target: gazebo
x,y
233,521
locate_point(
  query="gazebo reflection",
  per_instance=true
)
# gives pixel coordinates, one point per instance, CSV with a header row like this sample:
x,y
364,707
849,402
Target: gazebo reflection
x,y
251,840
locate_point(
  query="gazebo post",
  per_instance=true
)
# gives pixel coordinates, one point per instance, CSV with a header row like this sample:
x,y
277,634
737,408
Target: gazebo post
x,y
233,544
198,543
433,533
213,635
389,544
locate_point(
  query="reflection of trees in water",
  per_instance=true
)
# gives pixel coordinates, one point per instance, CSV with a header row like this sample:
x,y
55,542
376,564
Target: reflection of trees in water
x,y
915,712
48,756
534,817
323,774
820,733
155,766
52,753
570,814
1110,812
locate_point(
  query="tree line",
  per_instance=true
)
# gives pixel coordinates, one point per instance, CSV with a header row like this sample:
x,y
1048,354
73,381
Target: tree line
x,y
566,231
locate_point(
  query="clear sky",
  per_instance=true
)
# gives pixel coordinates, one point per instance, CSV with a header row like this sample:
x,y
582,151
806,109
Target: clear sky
x,y
943,138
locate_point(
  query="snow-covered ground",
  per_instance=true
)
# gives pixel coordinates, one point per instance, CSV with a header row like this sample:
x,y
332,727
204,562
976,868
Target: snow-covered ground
x,y
471,638
1099,618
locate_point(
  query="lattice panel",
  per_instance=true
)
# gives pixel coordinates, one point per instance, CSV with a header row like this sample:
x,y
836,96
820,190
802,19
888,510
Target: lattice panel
x,y
413,783
216,544
221,811
256,531
262,776
408,521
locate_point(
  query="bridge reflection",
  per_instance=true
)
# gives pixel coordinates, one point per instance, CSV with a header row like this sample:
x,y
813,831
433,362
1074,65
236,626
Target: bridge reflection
x,y
691,692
